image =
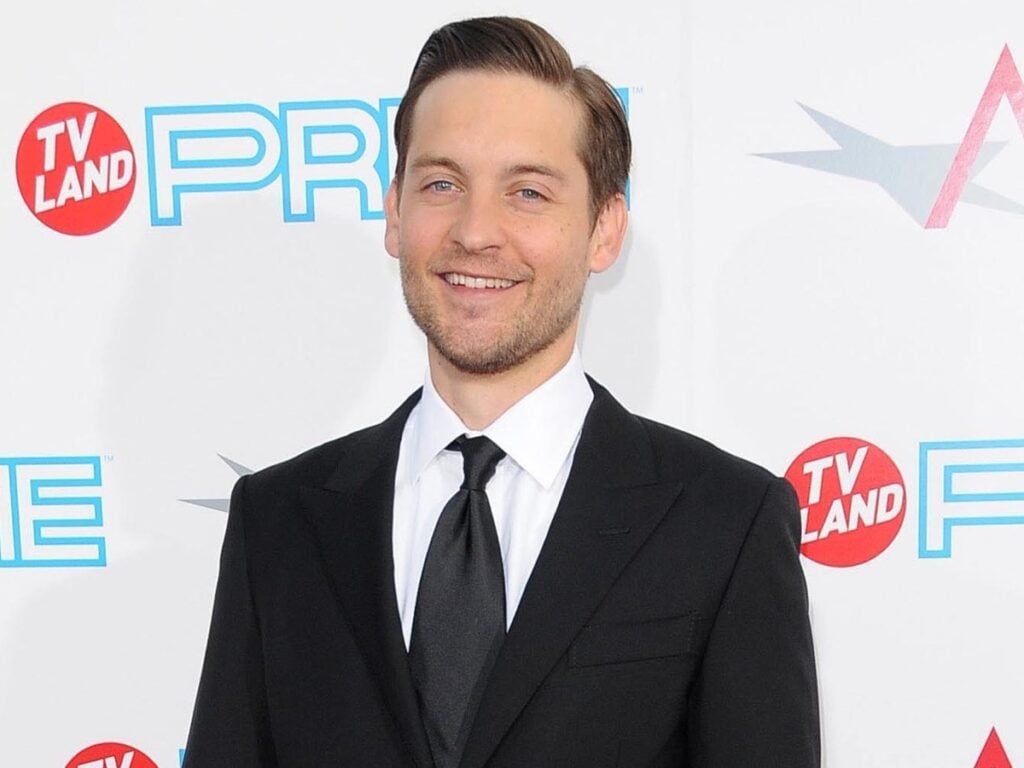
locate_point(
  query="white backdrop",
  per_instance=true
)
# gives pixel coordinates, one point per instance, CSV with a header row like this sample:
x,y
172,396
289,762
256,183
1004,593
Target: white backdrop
x,y
766,303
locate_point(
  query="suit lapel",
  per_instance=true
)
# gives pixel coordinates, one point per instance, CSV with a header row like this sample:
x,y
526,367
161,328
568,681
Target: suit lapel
x,y
352,515
611,503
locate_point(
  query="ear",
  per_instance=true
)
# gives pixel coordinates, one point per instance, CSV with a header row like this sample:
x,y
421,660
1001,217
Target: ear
x,y
391,238
609,232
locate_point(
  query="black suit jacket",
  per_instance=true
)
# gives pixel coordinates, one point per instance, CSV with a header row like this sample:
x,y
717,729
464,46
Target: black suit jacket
x,y
664,624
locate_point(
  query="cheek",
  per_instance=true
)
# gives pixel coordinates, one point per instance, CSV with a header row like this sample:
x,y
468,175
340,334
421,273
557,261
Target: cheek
x,y
422,231
563,258
547,244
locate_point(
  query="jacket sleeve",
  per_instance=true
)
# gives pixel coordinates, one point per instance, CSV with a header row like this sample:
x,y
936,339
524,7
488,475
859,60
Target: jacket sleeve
x,y
756,702
230,724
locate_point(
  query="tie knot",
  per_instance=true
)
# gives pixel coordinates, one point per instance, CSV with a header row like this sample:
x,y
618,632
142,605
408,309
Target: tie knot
x,y
480,457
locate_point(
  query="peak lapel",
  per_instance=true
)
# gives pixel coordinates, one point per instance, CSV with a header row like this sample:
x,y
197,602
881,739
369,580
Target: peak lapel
x,y
352,517
611,503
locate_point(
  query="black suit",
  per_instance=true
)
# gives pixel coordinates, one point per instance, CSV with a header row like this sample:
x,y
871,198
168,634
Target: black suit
x,y
665,622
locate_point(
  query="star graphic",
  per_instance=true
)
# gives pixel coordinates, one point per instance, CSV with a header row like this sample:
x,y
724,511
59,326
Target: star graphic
x,y
220,505
912,175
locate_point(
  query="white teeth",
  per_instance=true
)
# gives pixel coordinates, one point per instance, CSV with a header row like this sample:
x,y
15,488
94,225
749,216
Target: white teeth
x,y
454,278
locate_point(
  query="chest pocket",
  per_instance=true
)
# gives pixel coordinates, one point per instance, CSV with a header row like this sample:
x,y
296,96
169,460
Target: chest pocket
x,y
619,642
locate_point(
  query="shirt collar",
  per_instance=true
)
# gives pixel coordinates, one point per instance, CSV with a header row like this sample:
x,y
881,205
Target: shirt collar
x,y
537,432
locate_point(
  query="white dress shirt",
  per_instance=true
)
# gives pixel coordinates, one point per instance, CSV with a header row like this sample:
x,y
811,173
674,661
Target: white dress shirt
x,y
539,436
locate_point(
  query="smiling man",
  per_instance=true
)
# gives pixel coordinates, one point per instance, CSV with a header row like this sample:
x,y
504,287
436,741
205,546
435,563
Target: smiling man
x,y
492,220
511,570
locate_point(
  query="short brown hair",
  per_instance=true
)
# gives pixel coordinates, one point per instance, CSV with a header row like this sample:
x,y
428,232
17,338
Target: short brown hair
x,y
504,44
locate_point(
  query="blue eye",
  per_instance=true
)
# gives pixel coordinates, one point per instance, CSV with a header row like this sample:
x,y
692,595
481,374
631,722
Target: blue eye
x,y
441,185
531,194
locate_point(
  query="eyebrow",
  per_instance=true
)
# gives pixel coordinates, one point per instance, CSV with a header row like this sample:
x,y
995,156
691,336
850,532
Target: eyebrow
x,y
437,161
539,170
440,161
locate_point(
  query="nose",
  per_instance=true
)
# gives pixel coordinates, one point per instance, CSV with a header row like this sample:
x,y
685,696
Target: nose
x,y
479,223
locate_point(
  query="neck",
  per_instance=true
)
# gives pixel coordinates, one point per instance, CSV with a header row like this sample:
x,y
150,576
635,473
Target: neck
x,y
479,399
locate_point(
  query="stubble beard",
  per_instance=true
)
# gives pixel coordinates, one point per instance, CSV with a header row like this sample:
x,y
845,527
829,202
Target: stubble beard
x,y
524,337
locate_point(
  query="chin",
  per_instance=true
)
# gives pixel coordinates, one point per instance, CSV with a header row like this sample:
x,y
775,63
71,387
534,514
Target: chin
x,y
479,362
491,358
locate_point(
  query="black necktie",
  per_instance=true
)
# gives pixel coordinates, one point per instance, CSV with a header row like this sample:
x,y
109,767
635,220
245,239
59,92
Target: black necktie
x,y
459,624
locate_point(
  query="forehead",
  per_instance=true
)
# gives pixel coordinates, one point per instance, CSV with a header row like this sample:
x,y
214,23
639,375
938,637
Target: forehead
x,y
496,116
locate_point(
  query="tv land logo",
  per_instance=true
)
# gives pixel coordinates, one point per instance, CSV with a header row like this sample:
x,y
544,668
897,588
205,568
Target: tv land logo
x,y
852,501
76,167
853,498
111,754
51,512
926,180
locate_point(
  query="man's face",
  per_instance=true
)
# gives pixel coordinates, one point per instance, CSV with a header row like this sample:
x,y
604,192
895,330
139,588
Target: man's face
x,y
491,223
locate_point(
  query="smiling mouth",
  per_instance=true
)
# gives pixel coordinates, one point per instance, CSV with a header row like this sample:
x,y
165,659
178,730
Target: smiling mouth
x,y
470,281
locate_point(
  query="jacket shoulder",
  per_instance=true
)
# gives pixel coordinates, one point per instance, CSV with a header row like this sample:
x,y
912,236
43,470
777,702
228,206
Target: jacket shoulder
x,y
316,466
731,492
311,465
682,456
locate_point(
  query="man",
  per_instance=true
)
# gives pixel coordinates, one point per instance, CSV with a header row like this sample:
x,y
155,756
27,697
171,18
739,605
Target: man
x,y
511,570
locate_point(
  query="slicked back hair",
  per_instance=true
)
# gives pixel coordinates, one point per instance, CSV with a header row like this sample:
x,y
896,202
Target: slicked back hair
x,y
508,45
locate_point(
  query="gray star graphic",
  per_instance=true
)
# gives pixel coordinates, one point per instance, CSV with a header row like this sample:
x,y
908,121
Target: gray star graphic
x,y
220,505
912,175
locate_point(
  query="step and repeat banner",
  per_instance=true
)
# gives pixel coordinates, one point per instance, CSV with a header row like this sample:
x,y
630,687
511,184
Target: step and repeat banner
x,y
824,273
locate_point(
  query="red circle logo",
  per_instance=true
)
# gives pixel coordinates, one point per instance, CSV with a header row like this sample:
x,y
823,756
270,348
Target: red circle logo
x,y
110,754
76,168
852,500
